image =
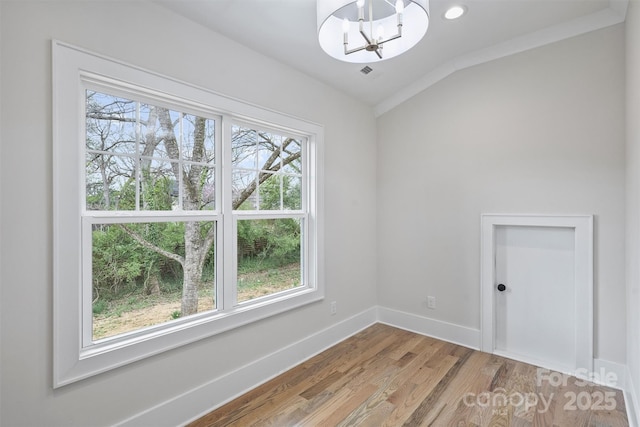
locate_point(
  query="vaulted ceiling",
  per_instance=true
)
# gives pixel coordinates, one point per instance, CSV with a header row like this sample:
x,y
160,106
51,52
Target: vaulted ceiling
x,y
286,30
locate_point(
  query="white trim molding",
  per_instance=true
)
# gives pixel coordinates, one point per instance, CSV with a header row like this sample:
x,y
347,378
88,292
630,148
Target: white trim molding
x,y
583,304
450,332
610,374
631,399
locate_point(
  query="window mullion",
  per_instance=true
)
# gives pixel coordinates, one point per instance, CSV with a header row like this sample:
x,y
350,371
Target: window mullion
x,y
281,173
181,163
309,242
258,169
87,280
229,244
304,179
138,172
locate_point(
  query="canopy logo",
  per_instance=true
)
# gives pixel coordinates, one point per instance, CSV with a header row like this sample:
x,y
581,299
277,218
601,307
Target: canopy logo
x,y
500,399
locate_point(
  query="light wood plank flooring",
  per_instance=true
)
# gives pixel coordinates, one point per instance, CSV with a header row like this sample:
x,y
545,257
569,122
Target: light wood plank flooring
x,y
384,376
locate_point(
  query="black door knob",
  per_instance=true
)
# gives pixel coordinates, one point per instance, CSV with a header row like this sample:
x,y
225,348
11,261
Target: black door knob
x,y
501,287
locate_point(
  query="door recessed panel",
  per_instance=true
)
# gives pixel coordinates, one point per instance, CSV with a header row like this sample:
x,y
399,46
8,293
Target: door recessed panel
x,y
535,315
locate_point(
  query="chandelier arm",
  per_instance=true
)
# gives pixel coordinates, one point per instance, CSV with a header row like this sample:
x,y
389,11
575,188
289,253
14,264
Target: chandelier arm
x,y
368,41
361,29
397,36
364,35
357,49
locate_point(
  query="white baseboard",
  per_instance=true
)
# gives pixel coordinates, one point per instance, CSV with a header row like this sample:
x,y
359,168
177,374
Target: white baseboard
x,y
461,335
631,400
610,374
199,401
617,375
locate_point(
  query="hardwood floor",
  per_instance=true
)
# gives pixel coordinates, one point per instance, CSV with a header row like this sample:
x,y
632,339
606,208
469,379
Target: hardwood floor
x,y
385,376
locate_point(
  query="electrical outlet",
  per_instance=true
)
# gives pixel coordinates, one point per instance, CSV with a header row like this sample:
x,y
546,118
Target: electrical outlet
x,y
431,302
333,307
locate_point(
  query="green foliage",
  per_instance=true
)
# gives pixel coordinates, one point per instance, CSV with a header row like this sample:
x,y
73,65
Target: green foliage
x,y
100,306
176,314
122,266
268,242
270,193
120,263
156,191
116,261
123,199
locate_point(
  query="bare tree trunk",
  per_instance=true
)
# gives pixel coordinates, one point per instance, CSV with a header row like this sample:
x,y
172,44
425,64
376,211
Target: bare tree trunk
x,y
196,246
192,269
152,286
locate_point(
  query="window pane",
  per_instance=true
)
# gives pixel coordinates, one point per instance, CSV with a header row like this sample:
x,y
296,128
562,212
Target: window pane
x,y
198,139
267,170
270,192
268,257
145,274
159,189
292,192
110,123
277,192
291,156
268,151
243,147
110,182
159,132
243,189
199,189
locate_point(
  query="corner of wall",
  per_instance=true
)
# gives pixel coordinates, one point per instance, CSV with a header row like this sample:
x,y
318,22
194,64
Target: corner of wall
x,y
631,400
632,34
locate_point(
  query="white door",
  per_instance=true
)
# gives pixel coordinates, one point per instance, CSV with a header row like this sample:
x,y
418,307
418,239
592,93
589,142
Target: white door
x,y
535,288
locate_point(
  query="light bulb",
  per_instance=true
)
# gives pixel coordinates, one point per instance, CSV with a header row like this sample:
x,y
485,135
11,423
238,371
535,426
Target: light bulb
x,y
399,6
455,12
345,25
360,3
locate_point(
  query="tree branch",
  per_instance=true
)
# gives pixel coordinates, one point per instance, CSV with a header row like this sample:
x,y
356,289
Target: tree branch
x,y
246,193
116,117
135,236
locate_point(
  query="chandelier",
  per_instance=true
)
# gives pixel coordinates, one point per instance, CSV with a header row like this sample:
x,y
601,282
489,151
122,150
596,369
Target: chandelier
x,y
370,30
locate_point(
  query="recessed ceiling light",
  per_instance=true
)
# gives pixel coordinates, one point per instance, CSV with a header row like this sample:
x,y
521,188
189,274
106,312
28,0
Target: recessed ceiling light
x,y
455,12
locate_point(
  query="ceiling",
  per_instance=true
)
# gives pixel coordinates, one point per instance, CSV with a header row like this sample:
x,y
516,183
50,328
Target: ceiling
x,y
286,31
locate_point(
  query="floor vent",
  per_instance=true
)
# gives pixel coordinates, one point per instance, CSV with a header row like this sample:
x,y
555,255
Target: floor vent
x,y
366,70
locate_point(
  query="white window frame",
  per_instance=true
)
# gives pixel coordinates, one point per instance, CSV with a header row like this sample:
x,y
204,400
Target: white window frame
x,y
77,357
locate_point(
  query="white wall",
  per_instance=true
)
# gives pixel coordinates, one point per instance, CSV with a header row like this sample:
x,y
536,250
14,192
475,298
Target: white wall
x,y
149,36
633,198
537,132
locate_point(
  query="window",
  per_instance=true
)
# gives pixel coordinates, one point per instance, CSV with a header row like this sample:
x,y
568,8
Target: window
x,y
178,213
147,170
